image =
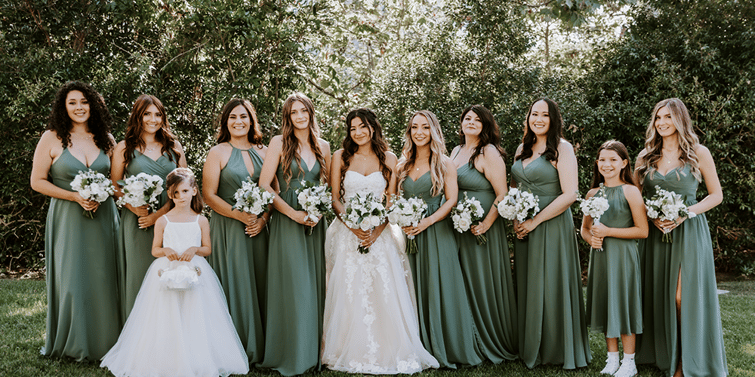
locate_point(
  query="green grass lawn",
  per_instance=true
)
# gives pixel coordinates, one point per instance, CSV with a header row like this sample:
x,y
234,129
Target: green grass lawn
x,y
22,332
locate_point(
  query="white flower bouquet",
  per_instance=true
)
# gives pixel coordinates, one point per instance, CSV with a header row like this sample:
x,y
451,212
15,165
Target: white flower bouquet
x,y
595,207
407,212
92,185
251,198
315,200
179,276
667,206
468,212
519,205
364,212
141,189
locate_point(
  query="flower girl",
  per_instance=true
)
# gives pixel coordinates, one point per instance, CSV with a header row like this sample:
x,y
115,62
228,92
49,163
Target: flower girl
x,y
613,284
179,325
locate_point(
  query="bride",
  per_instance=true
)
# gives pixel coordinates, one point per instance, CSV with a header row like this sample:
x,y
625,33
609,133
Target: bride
x,y
370,321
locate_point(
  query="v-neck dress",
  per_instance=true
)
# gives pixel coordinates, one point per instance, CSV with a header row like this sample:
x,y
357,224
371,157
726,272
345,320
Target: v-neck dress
x,y
549,279
691,254
487,274
83,306
445,320
240,261
295,283
135,244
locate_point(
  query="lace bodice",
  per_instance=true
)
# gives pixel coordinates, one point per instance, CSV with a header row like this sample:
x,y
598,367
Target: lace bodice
x,y
355,182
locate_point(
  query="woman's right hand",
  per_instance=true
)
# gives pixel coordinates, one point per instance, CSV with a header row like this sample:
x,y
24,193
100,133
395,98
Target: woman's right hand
x,y
138,211
87,204
302,218
361,234
663,225
170,254
245,218
415,230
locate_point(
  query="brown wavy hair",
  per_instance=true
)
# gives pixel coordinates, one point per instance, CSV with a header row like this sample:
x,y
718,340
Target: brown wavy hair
x,y
254,135
554,136
135,127
99,122
437,151
291,143
178,176
378,144
625,175
489,134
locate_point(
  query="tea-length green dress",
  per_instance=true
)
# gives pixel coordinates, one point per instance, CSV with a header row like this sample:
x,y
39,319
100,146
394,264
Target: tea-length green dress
x,y
549,282
487,274
691,254
135,244
83,306
295,283
240,261
446,325
614,296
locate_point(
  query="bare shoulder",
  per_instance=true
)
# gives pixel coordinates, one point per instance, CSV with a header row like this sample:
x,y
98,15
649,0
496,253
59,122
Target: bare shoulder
x,y
591,193
337,154
631,190
203,221
276,142
178,146
161,221
702,151
390,158
564,146
219,150
456,148
324,145
519,150
120,146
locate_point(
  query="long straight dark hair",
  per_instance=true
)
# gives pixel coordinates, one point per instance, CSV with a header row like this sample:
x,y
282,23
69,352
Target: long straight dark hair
x,y
555,133
626,174
488,135
378,144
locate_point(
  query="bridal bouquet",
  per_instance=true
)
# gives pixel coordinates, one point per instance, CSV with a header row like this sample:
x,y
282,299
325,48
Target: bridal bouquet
x,y
407,212
251,198
519,205
314,199
468,212
92,185
595,206
141,189
180,276
666,205
363,212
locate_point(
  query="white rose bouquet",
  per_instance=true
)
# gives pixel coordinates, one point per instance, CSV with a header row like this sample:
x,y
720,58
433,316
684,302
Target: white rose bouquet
x,y
315,200
364,212
179,276
141,189
251,198
519,205
92,185
595,206
468,212
666,205
407,212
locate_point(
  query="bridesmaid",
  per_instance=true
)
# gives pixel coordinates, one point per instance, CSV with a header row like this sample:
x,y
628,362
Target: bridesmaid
x,y
83,311
486,268
296,282
239,239
546,261
446,324
149,147
682,333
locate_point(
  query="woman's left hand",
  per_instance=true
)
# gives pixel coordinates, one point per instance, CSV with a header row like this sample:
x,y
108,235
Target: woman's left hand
x,y
669,225
371,238
256,227
599,230
147,221
188,254
415,230
479,229
524,228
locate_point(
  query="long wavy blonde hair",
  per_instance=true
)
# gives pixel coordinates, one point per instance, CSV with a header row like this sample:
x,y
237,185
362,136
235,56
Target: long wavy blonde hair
x,y
688,140
437,151
291,143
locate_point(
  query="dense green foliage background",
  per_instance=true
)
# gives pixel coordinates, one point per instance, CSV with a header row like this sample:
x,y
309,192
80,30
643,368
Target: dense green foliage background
x,y
394,56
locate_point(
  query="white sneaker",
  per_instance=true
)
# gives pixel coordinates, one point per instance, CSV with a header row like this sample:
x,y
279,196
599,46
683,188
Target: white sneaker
x,y
612,365
628,369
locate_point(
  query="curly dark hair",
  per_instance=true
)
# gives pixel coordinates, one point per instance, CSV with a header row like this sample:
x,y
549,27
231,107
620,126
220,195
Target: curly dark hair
x,y
555,132
488,135
99,123
135,127
254,136
378,144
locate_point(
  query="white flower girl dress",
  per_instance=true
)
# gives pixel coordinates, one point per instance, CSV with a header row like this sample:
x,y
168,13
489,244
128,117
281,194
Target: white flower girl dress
x,y
178,328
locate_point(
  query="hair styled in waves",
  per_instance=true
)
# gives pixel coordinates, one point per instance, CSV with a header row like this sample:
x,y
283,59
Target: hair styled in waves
x,y
178,176
688,140
377,142
291,143
488,135
626,172
553,138
135,127
437,151
99,122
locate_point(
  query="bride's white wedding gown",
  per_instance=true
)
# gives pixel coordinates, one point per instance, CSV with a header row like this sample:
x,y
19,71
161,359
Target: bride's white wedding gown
x,y
370,322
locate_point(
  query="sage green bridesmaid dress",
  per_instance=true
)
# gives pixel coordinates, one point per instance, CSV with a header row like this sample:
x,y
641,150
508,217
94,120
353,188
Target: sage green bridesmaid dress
x,y
446,324
135,244
295,283
614,295
240,261
83,305
549,280
691,254
487,274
